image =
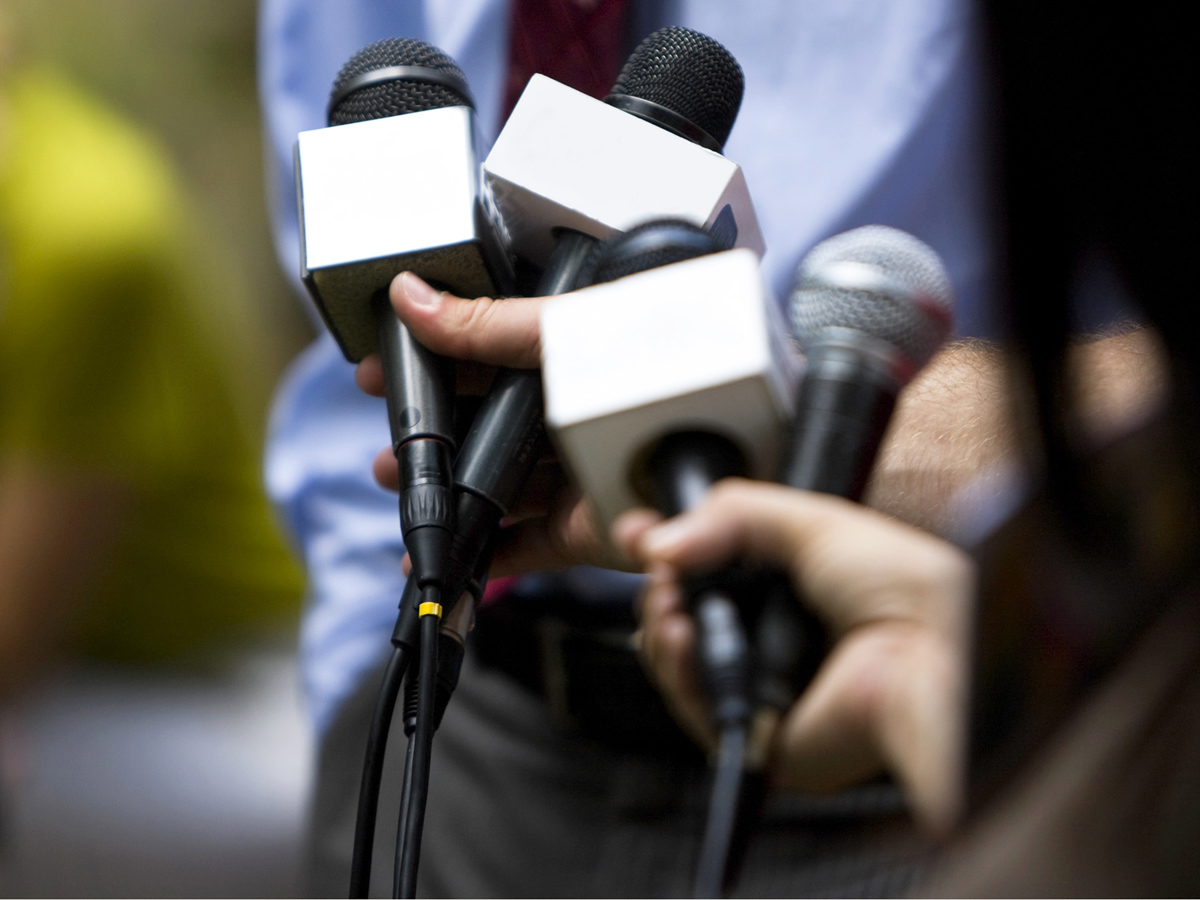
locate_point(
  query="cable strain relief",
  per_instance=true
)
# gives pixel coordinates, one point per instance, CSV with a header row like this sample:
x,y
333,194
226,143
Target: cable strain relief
x,y
424,505
411,684
429,550
450,659
407,633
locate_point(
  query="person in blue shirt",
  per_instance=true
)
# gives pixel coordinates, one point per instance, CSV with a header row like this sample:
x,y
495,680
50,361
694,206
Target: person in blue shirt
x,y
853,114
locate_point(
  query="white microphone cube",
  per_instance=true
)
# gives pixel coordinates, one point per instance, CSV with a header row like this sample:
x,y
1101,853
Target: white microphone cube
x,y
699,345
565,159
385,195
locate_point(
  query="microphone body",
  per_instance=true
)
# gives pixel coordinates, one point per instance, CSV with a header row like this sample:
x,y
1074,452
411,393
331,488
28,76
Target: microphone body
x,y
567,160
842,412
548,171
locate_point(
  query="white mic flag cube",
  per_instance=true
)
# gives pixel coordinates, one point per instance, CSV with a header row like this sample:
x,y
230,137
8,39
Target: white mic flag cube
x,y
565,159
699,345
384,195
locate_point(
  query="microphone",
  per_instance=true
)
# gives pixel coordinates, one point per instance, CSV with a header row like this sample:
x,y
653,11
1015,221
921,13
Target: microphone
x,y
689,345
392,185
687,454
545,222
651,149
870,308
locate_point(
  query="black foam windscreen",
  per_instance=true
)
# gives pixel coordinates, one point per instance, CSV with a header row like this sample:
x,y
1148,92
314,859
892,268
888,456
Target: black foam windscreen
x,y
648,246
688,73
398,96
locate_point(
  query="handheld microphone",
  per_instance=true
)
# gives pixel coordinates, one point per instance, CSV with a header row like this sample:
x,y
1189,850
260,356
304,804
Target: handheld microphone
x,y
676,468
651,149
507,434
870,308
394,184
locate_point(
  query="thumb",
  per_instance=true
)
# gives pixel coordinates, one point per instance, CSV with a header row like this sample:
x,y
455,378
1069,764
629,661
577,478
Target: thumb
x,y
497,332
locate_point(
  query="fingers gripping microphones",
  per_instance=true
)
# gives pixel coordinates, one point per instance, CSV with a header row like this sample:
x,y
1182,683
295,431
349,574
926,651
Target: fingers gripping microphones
x,y
708,394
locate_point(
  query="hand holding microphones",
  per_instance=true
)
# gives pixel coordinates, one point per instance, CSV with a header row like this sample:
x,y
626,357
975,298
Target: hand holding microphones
x,y
551,525
889,696
891,597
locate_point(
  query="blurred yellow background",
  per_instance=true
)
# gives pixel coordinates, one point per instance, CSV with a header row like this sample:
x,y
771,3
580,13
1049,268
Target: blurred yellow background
x,y
186,780
184,70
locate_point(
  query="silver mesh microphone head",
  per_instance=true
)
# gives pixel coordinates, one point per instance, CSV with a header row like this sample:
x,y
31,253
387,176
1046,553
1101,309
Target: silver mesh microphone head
x,y
880,282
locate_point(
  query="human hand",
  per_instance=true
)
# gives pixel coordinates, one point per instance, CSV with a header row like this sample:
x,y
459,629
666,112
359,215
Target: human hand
x,y
551,526
890,694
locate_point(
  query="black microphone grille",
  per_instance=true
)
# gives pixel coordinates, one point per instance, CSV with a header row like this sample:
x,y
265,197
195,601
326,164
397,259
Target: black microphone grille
x,y
366,89
879,281
660,242
688,73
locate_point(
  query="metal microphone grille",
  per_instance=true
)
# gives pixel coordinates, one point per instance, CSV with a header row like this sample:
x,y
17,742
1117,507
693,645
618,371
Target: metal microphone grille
x,y
648,246
877,280
394,98
689,73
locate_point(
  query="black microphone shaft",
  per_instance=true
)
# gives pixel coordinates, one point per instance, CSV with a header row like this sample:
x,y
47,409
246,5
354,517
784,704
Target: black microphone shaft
x,y
506,437
842,414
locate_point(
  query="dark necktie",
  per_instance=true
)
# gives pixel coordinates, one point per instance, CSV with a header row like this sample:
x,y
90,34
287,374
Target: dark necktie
x,y
581,43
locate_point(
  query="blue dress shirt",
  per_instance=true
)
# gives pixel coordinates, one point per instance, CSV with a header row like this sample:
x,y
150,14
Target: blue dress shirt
x,y
855,112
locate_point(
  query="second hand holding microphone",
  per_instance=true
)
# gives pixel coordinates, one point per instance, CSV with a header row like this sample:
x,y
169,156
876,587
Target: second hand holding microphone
x,y
703,392
870,308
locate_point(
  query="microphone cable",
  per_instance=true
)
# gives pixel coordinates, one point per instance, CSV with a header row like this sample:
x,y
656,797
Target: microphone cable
x,y
403,652
723,804
723,653
372,773
410,725
419,756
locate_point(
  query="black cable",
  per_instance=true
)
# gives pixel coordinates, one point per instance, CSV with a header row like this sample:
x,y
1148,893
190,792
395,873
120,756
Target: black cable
x,y
723,808
723,654
422,740
410,726
372,773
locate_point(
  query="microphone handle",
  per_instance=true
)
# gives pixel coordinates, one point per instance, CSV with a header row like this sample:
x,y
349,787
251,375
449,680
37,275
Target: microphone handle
x,y
845,403
419,383
842,413
682,468
505,439
419,386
